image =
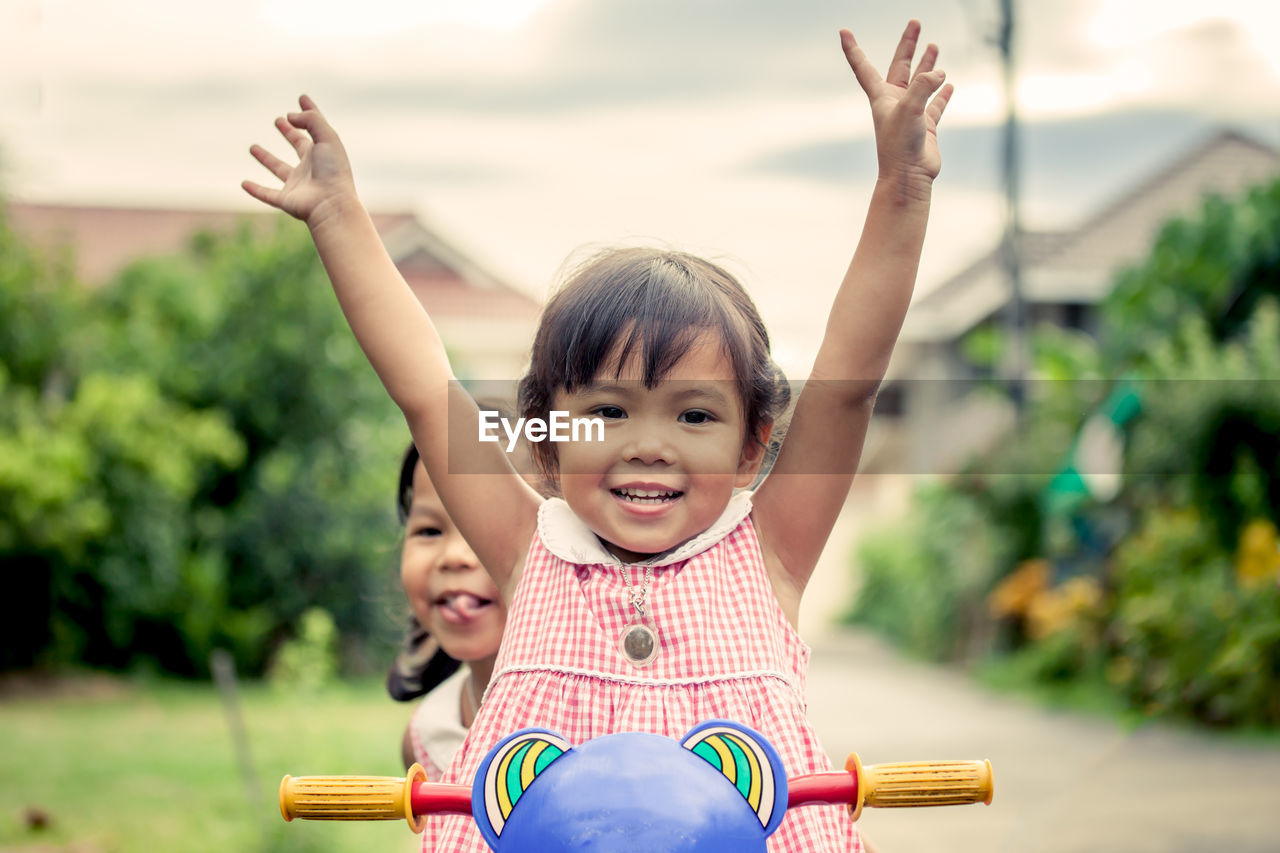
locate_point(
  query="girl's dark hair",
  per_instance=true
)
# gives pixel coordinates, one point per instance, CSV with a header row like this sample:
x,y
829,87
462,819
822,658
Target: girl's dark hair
x,y
649,303
404,493
420,665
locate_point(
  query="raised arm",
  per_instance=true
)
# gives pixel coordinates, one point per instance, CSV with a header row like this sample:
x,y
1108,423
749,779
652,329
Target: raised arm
x,y
797,505
496,512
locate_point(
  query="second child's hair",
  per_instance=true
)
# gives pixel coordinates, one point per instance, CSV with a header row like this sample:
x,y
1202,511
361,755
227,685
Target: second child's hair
x,y
420,664
648,303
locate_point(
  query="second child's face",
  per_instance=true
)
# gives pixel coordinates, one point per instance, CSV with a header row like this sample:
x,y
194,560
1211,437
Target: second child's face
x,y
671,455
449,591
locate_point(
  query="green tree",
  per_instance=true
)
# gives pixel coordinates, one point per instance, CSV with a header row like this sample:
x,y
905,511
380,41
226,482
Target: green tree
x,y
1217,264
246,323
41,305
191,456
97,471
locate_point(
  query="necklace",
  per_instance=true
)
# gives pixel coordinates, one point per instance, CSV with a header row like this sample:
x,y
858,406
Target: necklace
x,y
639,640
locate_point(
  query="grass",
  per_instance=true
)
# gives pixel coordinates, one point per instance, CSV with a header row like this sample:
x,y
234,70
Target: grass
x,y
1016,675
1012,675
128,766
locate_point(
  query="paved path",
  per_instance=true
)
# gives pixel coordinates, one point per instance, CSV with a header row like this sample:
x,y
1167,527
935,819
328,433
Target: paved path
x,y
1063,781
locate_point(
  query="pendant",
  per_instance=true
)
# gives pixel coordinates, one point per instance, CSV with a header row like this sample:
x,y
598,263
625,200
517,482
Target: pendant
x,y
639,644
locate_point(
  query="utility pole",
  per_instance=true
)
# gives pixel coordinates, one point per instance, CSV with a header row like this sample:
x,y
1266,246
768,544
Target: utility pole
x,y
1016,358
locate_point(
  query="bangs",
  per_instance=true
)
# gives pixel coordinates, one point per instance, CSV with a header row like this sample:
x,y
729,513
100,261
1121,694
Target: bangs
x,y
634,304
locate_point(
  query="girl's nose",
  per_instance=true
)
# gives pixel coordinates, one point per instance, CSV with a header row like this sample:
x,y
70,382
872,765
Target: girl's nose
x,y
457,555
648,446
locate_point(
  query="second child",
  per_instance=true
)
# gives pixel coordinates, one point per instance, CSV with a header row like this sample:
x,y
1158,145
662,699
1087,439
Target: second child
x,y
456,623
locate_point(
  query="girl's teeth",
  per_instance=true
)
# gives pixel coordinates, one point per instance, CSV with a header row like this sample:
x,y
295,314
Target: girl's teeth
x,y
647,495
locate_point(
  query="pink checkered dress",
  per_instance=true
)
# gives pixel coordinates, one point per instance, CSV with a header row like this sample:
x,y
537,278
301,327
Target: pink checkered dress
x,y
726,650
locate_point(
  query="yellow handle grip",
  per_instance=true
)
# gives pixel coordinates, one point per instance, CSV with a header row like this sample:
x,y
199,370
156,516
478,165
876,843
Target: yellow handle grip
x,y
352,797
908,784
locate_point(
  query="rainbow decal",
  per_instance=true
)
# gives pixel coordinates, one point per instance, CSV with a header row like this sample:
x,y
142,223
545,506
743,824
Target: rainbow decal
x,y
743,761
513,768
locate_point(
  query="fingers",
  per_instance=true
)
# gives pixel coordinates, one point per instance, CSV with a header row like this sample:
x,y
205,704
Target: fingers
x,y
312,121
926,68
921,88
297,138
261,193
939,103
301,130
927,61
274,164
899,72
868,78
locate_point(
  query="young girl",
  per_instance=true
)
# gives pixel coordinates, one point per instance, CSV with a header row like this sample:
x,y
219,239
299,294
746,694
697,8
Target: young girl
x,y
457,617
654,595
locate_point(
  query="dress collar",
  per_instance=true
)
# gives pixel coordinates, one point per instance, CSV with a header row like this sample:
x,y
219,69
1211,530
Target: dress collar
x,y
566,536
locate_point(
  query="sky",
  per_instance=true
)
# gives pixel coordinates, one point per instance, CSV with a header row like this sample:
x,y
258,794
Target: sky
x,y
528,132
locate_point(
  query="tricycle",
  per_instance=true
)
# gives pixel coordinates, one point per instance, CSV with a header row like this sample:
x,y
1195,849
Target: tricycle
x,y
722,788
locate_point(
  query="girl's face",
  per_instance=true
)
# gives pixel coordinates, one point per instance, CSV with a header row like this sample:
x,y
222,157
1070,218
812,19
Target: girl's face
x,y
671,456
449,591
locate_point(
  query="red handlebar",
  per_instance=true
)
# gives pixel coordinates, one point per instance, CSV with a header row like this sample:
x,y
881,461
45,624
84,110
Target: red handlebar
x,y
440,798
819,788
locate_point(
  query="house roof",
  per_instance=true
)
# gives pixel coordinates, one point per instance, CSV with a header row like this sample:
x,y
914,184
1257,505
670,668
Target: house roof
x,y
104,239
1078,265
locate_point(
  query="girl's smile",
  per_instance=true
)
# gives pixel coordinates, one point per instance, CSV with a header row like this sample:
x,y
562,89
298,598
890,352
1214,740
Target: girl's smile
x,y
647,497
461,608
450,592
647,493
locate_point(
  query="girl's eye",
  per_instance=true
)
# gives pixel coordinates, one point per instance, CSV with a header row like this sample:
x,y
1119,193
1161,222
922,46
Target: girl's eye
x,y
430,532
696,416
609,413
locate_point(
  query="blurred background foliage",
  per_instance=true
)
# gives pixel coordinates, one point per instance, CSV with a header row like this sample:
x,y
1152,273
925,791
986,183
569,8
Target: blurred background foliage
x,y
1161,592
196,456
192,456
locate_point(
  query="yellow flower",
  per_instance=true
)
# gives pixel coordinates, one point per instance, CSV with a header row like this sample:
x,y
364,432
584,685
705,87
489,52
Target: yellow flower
x,y
1258,554
1013,595
1061,607
1048,613
1083,593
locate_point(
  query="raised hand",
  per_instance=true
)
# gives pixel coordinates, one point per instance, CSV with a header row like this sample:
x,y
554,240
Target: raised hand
x,y
904,108
321,180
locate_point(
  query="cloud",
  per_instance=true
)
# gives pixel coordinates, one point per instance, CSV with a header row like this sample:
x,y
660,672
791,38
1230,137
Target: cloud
x,y
673,49
732,124
572,56
1069,165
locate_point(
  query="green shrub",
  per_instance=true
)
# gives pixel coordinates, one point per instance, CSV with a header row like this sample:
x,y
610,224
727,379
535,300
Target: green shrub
x,y
1166,591
309,660
1189,638
924,581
